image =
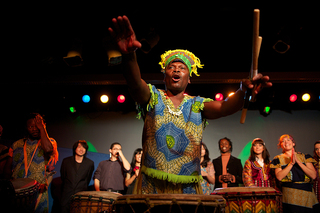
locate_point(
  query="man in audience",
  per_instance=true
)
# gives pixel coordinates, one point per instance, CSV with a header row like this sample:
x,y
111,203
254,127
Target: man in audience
x,y
76,172
110,174
228,168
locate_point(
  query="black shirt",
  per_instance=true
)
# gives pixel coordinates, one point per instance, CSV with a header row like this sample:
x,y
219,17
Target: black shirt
x,y
111,175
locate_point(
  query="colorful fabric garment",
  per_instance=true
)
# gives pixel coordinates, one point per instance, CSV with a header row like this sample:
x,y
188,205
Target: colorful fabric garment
x,y
207,187
255,175
37,169
171,139
187,57
316,185
297,191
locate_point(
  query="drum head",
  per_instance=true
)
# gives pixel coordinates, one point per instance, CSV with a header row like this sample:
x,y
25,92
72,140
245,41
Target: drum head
x,y
23,183
244,189
97,194
169,203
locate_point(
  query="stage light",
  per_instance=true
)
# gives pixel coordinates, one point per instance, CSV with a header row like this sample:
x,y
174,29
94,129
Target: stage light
x,y
86,98
219,97
231,94
121,98
306,97
104,98
293,97
267,109
72,109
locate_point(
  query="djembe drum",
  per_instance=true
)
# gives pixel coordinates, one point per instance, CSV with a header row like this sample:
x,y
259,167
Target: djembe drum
x,y
93,201
26,194
251,199
169,203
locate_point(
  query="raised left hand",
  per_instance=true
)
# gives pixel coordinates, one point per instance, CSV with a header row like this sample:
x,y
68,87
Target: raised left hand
x,y
39,122
259,80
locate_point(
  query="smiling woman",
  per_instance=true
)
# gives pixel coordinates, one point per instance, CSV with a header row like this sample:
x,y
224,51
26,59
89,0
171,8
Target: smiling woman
x,y
295,171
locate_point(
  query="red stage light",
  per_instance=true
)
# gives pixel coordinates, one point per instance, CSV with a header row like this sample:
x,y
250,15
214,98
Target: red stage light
x,y
121,98
293,97
219,97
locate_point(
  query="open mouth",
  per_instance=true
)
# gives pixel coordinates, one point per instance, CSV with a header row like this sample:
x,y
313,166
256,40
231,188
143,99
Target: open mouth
x,y
175,78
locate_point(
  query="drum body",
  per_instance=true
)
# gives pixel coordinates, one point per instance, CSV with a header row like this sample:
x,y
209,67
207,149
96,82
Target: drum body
x,y
26,194
169,203
251,199
92,201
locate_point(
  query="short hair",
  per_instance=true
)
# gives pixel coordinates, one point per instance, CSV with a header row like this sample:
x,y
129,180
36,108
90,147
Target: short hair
x,y
115,143
285,136
83,143
230,143
33,116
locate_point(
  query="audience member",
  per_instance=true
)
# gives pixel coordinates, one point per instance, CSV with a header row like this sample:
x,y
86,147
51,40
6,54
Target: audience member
x,y
296,172
110,174
207,171
76,172
256,171
135,165
227,167
316,156
34,157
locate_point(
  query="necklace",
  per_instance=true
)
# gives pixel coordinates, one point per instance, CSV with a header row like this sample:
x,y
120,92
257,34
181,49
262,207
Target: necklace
x,y
176,113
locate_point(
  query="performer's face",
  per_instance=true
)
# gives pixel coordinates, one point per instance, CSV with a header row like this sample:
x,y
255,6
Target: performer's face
x,y
33,130
287,144
176,77
80,150
257,148
224,146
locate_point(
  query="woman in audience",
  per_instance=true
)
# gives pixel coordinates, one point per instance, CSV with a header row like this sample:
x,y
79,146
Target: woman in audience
x,y
316,156
256,171
135,165
207,171
295,171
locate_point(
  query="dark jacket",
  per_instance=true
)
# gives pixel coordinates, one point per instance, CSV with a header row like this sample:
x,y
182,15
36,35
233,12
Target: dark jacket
x,y
234,167
74,180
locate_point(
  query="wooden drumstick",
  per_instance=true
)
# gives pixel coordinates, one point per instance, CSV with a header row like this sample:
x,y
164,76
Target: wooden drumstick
x,y
256,44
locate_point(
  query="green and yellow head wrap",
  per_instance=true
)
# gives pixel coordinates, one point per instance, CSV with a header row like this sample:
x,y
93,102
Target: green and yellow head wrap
x,y
188,58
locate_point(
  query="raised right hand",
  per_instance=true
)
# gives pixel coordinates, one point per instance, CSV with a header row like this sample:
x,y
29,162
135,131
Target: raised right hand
x,y
124,35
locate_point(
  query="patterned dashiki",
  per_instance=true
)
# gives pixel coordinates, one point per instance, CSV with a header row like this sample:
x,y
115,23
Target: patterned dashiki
x,y
37,167
171,145
254,174
297,191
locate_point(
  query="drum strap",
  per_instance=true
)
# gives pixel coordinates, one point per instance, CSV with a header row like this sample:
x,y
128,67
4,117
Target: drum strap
x,y
26,165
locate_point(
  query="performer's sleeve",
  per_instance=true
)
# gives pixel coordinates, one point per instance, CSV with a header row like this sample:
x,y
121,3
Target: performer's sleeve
x,y
247,174
275,163
152,101
309,159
